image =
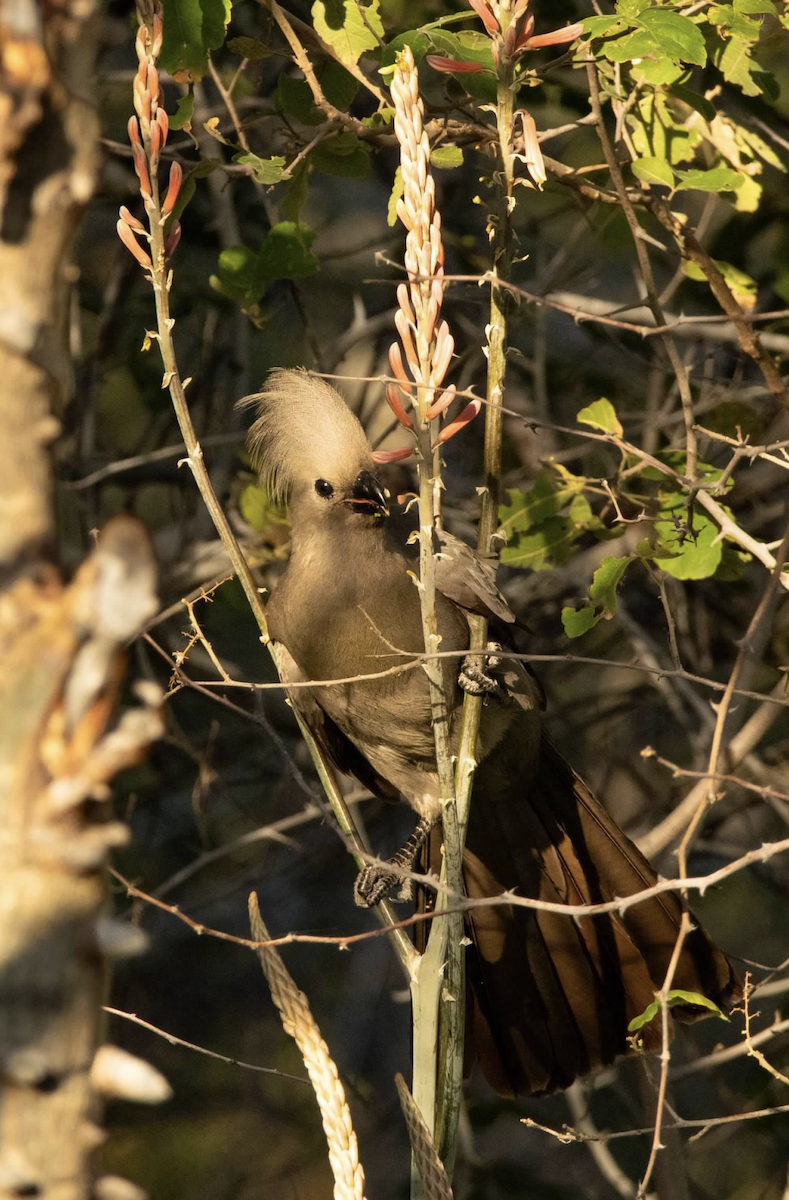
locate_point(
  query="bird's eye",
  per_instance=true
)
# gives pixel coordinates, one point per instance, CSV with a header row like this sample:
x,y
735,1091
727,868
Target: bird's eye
x,y
324,488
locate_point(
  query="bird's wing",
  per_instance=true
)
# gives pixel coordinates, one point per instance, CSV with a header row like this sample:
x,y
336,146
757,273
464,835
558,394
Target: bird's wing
x,y
340,751
468,580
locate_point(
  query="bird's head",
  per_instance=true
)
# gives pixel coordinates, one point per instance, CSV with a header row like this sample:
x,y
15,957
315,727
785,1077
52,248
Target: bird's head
x,y
311,450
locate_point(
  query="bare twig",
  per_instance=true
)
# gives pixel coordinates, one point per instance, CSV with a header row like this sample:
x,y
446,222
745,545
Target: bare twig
x,y
176,1041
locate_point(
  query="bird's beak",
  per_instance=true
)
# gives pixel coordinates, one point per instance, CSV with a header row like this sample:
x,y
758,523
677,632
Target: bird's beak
x,y
367,495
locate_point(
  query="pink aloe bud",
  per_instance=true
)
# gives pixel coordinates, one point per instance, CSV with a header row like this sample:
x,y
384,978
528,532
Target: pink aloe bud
x,y
442,356
158,30
442,404
393,400
524,30
156,140
531,148
164,121
404,329
559,37
452,67
133,130
390,456
153,84
469,413
404,300
173,188
141,169
132,245
173,240
131,221
396,363
482,9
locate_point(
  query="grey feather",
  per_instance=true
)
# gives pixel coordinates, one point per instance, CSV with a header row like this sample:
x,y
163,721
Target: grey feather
x,y
304,431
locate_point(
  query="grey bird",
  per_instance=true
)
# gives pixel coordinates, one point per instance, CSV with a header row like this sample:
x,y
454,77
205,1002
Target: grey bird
x,y
549,997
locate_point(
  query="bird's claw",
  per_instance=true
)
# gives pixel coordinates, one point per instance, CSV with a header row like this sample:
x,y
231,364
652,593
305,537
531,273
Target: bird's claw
x,y
374,883
479,681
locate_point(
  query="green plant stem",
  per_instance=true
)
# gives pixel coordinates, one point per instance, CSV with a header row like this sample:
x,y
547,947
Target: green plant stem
x,y
452,1010
161,280
428,977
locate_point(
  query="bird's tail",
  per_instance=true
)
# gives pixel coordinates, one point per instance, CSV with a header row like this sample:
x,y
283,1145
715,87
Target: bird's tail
x,y
549,997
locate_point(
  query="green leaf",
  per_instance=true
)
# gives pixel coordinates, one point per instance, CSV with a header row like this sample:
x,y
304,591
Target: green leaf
x,y
677,996
544,499
240,276
338,85
757,147
600,26
719,179
601,415
698,555
743,288
606,580
755,6
285,253
732,565
258,509
184,111
654,170
549,543
674,998
580,511
578,621
293,98
264,170
649,1014
396,193
247,47
657,71
704,107
192,29
344,155
676,35
295,194
446,158
726,17
738,66
348,26
470,46
602,595
211,126
731,415
419,43
632,45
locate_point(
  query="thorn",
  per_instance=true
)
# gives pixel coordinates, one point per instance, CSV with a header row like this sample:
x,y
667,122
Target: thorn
x,y
119,939
117,1073
114,1187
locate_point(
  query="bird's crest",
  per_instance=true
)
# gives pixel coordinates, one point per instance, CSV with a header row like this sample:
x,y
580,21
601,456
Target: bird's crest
x,y
304,431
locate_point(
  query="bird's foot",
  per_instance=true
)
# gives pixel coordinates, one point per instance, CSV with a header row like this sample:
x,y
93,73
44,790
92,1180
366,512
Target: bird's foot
x,y
376,881
476,680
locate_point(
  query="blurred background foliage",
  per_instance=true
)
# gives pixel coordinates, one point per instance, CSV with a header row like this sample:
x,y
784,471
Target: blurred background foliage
x,y
282,266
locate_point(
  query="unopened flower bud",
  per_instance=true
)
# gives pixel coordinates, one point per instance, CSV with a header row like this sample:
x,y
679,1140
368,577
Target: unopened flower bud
x,y
132,245
469,413
173,240
173,187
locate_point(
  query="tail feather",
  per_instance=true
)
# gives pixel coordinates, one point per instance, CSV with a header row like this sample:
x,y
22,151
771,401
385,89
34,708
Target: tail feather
x,y
550,997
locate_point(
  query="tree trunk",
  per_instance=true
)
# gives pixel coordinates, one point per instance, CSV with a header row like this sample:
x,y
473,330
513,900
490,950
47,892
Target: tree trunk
x,y
60,646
